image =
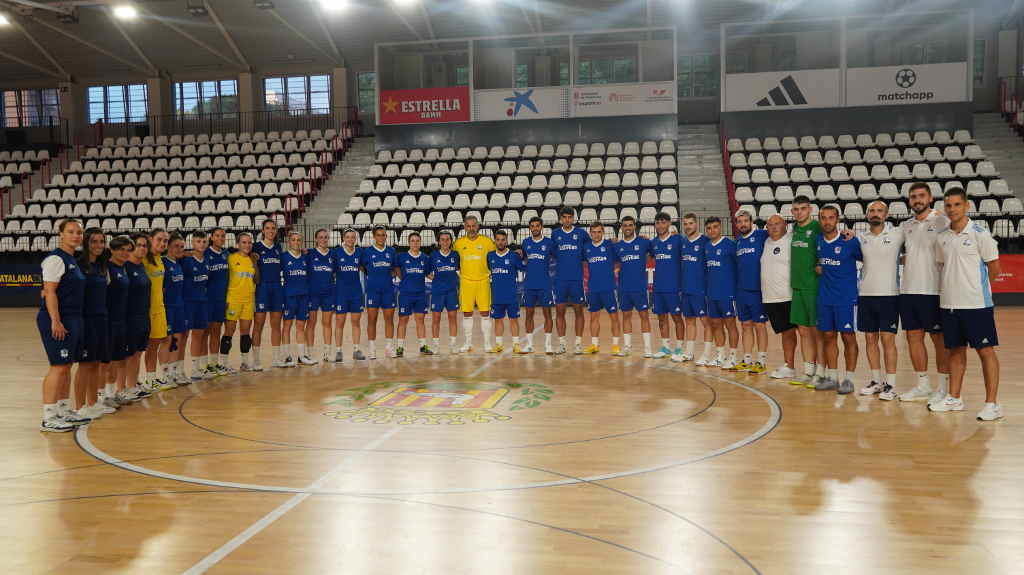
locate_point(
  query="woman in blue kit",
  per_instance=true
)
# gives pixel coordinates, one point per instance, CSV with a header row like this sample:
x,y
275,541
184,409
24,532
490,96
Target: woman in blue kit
x,y
60,327
95,346
197,278
139,288
348,293
173,356
413,269
379,262
118,294
444,290
269,293
216,258
321,293
295,266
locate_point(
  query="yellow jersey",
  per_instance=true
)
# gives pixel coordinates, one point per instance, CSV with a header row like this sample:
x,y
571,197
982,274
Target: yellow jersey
x,y
241,278
473,257
156,281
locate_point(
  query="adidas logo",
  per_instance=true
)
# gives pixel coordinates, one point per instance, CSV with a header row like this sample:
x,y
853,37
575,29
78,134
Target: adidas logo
x,y
775,96
893,326
847,326
985,340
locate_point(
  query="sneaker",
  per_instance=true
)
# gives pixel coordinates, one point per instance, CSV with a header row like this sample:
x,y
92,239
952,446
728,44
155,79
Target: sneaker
x,y
804,380
101,406
617,351
496,348
561,350
991,412
517,349
872,388
702,361
648,354
124,397
201,375
845,387
247,367
326,358
887,393
75,417
548,350
578,350
288,362
358,355
919,393
110,401
306,360
166,385
92,412
756,368
212,372
826,384
281,362
741,367
225,369
399,352
56,424
663,353
340,357
937,396
181,379
150,387
949,404
425,350
590,350
687,357
676,358
783,372
727,364
526,350
466,348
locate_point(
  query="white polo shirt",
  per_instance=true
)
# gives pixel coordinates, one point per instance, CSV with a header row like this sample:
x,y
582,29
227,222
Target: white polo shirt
x,y
775,286
962,256
920,271
880,274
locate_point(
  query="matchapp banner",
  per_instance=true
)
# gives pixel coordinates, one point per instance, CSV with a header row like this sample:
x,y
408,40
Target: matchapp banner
x,y
624,99
900,85
520,104
790,90
424,106
1011,280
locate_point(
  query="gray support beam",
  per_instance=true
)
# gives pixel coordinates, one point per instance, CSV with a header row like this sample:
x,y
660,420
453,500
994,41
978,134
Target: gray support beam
x,y
302,35
227,37
42,50
89,44
138,51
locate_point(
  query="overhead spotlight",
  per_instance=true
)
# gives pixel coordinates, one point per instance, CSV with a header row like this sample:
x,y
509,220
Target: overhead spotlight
x,y
125,12
333,5
263,4
196,10
3,20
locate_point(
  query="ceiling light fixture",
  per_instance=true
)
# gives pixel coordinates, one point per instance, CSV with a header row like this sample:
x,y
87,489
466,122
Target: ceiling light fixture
x,y
333,5
196,10
126,12
263,4
405,3
3,20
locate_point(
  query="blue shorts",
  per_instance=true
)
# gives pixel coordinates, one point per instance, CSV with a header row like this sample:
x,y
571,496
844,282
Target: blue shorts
x,y
322,302
974,327
694,305
633,300
841,318
569,292
382,297
920,311
410,303
138,333
721,308
269,298
878,313
444,300
95,344
63,352
118,341
177,322
667,302
538,298
197,314
503,310
749,306
296,307
604,300
217,311
348,300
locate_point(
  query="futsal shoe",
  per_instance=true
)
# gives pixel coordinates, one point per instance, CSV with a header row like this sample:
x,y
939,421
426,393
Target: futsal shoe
x,y
425,350
727,364
990,412
756,368
340,357
888,393
663,353
249,368
590,350
466,348
526,350
827,384
358,355
677,357
845,387
872,388
702,361
919,393
496,348
288,362
648,354
578,350
617,351
548,350
950,403
561,349
110,401
400,352
741,366
516,349
306,360
56,424
783,372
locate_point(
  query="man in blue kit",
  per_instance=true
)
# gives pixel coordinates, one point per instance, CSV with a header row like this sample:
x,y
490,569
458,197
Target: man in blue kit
x,y
749,309
837,300
569,241
720,281
599,254
539,253
632,252
505,266
665,247
693,299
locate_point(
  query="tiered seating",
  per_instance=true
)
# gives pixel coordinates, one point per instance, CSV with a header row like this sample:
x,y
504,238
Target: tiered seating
x,y
851,172
180,183
17,165
506,186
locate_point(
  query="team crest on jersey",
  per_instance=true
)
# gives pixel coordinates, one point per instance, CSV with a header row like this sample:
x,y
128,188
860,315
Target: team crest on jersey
x,y
839,250
808,233
65,354
967,242
777,250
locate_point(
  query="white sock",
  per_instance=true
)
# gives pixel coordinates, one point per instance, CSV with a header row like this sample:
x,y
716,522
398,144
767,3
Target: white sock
x,y
647,341
720,353
666,343
196,365
453,342
388,343
467,329
488,328
245,358
561,340
690,344
579,340
373,347
850,376
64,405
876,375
944,382
732,354
922,379
627,338
275,351
679,346
110,390
529,340
421,342
500,340
593,341
615,341
222,359
809,368
830,373
256,354
547,339
890,378
437,343
762,357
302,350
337,349
707,348
515,340
747,358
821,369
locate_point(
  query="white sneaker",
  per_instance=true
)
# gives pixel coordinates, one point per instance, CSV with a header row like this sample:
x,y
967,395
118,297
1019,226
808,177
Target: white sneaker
x,y
202,375
181,379
466,348
56,424
687,357
648,354
919,393
717,362
990,412
872,388
92,412
247,367
548,350
677,358
888,393
702,361
281,362
578,350
110,400
783,372
103,407
226,370
937,396
662,353
727,363
949,404
306,360
528,349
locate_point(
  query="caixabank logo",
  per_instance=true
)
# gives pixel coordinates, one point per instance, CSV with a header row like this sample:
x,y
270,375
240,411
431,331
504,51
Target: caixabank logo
x,y
905,79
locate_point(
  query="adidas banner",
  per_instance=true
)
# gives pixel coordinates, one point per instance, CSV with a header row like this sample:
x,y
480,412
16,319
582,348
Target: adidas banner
x,y
900,85
788,90
520,104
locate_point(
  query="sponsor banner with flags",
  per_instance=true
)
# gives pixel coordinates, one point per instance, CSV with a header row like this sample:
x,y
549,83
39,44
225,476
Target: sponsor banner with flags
x,y
901,85
424,106
624,99
790,90
1011,280
520,104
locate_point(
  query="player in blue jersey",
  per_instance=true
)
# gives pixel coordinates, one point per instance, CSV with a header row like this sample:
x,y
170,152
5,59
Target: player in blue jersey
x,y
665,248
197,279
504,266
138,317
749,309
568,241
173,357
348,294
539,254
599,255
693,299
295,268
321,293
95,344
632,253
413,269
118,295
217,293
837,300
444,290
269,293
379,262
720,284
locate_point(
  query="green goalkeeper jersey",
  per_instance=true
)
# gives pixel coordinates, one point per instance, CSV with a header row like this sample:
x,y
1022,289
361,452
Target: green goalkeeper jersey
x,y
804,256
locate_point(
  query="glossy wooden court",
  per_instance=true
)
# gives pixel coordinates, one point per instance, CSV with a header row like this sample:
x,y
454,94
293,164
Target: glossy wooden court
x,y
502,464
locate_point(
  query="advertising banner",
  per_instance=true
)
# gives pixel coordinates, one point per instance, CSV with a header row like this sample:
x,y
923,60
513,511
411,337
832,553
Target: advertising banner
x,y
20,284
520,104
901,85
424,106
1012,278
788,90
624,99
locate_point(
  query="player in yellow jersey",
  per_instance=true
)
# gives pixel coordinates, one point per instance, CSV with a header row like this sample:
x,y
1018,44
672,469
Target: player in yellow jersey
x,y
241,300
154,265
474,281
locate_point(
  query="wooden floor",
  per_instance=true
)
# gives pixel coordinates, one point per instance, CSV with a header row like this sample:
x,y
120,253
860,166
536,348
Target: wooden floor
x,y
518,465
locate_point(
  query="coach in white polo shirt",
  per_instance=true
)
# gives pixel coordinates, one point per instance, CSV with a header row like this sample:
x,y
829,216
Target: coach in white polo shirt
x,y
969,257
919,293
776,293
878,315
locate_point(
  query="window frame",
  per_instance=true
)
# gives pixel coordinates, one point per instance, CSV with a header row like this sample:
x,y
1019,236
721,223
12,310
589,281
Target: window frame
x,y
369,92
220,89
29,107
302,102
126,96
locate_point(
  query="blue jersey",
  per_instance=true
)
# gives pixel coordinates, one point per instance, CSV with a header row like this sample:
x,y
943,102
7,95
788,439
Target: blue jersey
x,y
748,258
321,272
196,278
71,288
505,270
632,256
95,291
139,282
838,260
117,293
693,264
569,253
445,269
346,266
378,265
217,269
600,266
539,255
666,263
296,274
415,270
720,261
269,262
174,284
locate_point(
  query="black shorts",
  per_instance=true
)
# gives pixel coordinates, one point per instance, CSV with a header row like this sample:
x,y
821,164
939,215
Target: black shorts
x,y
778,315
95,346
118,341
138,333
920,311
974,327
878,313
